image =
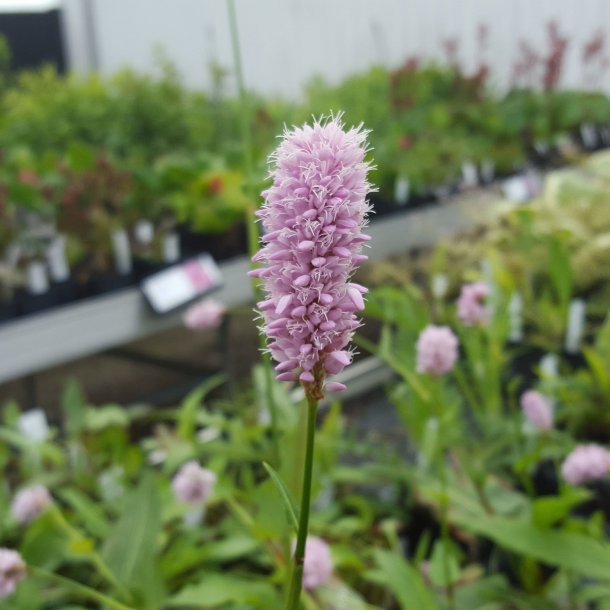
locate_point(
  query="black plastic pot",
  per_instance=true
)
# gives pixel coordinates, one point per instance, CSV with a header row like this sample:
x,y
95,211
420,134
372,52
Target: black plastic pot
x,y
222,246
33,303
9,310
109,282
67,291
142,268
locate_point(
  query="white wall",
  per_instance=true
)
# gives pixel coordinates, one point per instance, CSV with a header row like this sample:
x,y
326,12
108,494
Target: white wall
x,y
285,42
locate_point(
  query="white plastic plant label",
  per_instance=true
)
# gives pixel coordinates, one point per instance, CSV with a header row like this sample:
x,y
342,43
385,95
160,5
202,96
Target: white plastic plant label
x,y
122,251
522,188
549,366
144,232
181,284
171,248
33,425
488,170
37,278
470,176
56,259
402,190
576,326
588,135
440,285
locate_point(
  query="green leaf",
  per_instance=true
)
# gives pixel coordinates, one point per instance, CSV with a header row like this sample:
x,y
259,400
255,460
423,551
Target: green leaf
x,y
437,565
581,554
131,550
548,510
287,497
187,415
109,416
74,408
187,553
404,581
599,368
87,510
560,271
339,595
44,544
217,589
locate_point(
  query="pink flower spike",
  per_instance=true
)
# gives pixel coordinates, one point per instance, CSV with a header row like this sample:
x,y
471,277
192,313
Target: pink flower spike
x,y
471,304
437,350
29,503
12,570
585,464
537,410
204,314
313,219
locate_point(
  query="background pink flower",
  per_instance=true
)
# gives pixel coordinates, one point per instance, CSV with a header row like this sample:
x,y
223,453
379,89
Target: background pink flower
x,y
29,503
318,566
471,304
12,570
207,313
537,410
586,463
437,350
193,484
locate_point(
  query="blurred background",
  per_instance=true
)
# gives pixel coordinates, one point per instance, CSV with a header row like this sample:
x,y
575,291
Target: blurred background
x,y
126,148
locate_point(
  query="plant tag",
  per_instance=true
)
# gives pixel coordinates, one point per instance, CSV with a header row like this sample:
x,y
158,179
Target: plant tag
x,y
488,171
470,176
37,278
402,189
549,366
56,259
588,135
515,317
541,147
144,232
576,326
181,284
522,188
171,248
194,517
110,483
122,251
33,425
440,284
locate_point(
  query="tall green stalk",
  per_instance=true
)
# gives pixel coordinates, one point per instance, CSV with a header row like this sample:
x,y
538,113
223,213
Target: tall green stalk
x,y
444,499
298,558
253,236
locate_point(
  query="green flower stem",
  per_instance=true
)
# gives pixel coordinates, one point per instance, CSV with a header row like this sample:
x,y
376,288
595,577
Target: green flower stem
x,y
444,516
296,581
95,558
252,226
444,499
83,590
